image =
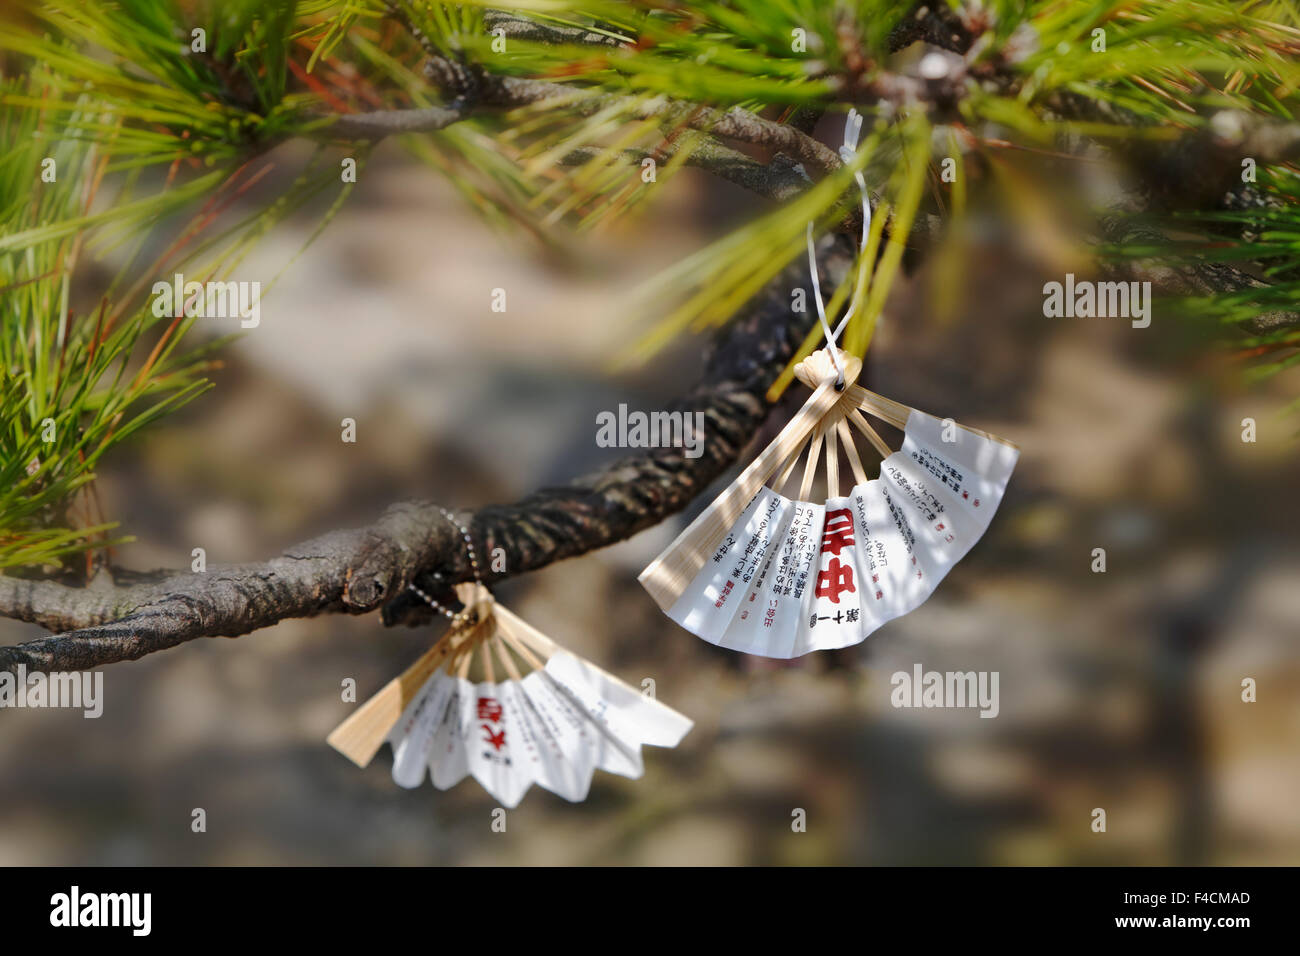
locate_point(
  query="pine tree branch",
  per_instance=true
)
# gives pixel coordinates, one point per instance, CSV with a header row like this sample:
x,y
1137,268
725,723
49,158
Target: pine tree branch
x,y
514,26
469,89
1187,278
779,180
361,570
936,23
377,125
489,89
471,83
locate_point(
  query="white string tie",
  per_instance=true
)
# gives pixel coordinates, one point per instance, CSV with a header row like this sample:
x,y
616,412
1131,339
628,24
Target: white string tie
x,y
848,154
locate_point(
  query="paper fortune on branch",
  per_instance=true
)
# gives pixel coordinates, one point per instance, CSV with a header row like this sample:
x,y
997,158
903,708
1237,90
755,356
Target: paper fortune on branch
x,y
765,574
498,701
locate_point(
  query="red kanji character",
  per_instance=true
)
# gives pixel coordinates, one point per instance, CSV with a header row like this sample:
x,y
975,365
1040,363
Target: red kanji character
x,y
838,532
496,740
489,709
836,579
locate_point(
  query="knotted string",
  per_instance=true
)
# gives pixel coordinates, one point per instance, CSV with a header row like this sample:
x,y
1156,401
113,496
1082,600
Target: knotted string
x,y
848,153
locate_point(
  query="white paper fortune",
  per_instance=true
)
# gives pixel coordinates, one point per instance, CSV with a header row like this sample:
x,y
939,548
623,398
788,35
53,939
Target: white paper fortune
x,y
709,602
746,628
788,584
791,577
973,468
834,618
555,728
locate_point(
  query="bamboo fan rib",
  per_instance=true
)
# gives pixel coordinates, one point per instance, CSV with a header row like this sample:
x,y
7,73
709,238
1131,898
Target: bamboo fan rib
x,y
764,574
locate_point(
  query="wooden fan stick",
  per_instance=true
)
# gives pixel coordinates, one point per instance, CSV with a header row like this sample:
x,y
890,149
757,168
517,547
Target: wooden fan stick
x,y
860,422
465,648
886,409
832,463
670,573
834,429
793,460
525,632
466,659
827,431
488,670
786,471
360,736
896,413
509,637
810,467
851,449
498,644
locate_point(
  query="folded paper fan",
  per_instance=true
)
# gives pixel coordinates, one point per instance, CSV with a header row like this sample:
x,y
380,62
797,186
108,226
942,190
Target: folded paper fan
x,y
778,577
554,727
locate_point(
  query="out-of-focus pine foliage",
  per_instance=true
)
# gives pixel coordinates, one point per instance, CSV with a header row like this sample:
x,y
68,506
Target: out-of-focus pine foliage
x,y
152,123
109,130
1167,70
